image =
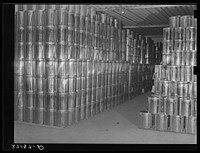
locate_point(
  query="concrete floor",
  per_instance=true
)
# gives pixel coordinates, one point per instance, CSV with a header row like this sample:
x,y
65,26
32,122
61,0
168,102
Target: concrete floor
x,y
118,125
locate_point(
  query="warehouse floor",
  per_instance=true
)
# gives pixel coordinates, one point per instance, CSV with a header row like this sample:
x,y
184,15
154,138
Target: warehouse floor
x,y
118,125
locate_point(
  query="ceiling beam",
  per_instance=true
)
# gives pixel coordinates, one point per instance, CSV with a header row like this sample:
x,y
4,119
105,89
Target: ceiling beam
x,y
145,26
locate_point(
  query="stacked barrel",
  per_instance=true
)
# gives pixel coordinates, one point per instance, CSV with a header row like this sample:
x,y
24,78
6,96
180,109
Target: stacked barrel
x,y
139,51
173,106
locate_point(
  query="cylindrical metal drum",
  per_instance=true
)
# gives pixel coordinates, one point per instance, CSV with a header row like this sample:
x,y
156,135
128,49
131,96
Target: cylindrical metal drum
x,y
30,51
30,34
30,83
29,67
178,58
179,45
61,32
167,46
166,59
39,51
61,68
78,84
182,89
191,33
61,84
40,67
19,98
71,100
160,122
50,17
61,51
19,83
168,105
176,123
191,45
78,100
79,68
174,21
72,68
29,99
28,115
173,73
145,120
153,104
39,34
50,67
40,84
188,73
62,101
21,34
72,84
50,34
83,112
88,96
194,85
165,87
173,89
167,34
20,51
185,105
83,98
193,60
180,33
40,100
191,125
185,21
50,101
71,52
71,116
51,84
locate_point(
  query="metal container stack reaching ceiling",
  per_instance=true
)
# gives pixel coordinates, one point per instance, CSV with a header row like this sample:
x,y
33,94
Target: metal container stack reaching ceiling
x,y
173,104
72,63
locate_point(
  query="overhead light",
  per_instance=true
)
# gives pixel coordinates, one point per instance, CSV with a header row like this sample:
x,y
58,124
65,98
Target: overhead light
x,y
122,11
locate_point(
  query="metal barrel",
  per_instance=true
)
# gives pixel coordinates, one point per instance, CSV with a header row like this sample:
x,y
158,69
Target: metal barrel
x,y
50,50
193,60
178,73
145,120
83,83
71,116
84,68
50,67
194,89
174,21
40,67
40,100
182,89
51,84
173,89
29,67
71,100
71,52
83,98
190,89
185,105
19,114
193,107
61,85
83,112
168,105
20,18
19,84
61,118
39,51
173,72
50,17
30,34
77,51
30,51
78,83
185,21
166,59
191,125
82,52
93,108
167,34
153,105
188,73
160,122
62,16
88,111
50,34
38,116
78,99
176,123
72,84
167,46
180,33
21,34
191,45
40,84
61,68
72,68
19,98
180,45
20,51
79,68
194,78
165,87
77,115
169,123
28,115
88,96
30,83
191,33
39,18
61,51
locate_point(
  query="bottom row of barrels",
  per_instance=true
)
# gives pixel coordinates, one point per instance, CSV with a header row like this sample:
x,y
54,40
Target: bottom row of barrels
x,y
171,123
63,118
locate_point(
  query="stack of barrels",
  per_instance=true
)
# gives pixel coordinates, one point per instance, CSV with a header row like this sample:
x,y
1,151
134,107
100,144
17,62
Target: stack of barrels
x,y
173,104
139,56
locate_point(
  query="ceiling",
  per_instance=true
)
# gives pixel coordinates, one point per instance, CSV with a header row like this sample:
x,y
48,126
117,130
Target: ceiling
x,y
146,19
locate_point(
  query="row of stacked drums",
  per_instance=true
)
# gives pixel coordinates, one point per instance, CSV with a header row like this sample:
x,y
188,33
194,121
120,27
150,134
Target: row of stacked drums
x,y
61,93
140,79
